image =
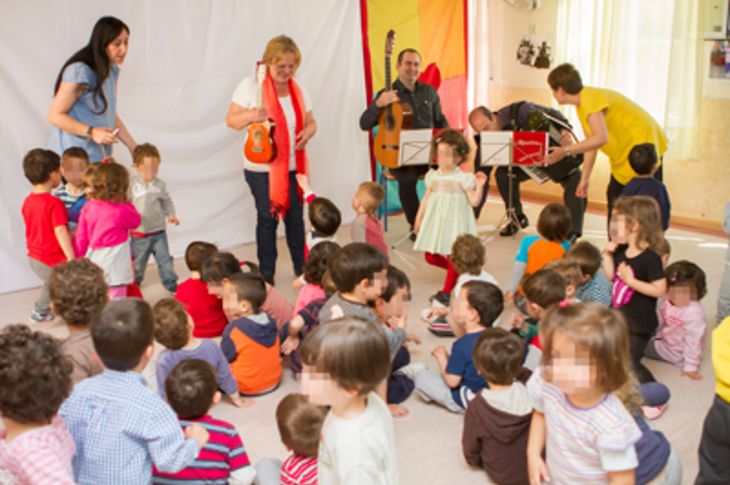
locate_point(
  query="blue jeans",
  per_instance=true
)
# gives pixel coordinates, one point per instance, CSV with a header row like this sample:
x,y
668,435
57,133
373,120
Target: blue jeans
x,y
266,224
155,244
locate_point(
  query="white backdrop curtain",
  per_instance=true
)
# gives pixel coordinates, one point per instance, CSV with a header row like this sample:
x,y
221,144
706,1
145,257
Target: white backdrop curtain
x,y
644,49
185,58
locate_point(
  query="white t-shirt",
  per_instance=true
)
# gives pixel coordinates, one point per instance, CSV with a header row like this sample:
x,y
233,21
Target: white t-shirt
x,y
359,451
245,96
464,277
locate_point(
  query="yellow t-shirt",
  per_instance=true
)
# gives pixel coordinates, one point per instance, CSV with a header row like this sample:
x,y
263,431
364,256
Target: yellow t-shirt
x,y
628,124
721,359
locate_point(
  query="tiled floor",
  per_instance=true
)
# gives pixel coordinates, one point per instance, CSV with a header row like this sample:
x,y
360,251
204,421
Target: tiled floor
x,y
429,439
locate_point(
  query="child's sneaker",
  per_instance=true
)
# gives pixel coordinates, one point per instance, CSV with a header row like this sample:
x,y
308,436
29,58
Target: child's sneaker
x,y
40,317
440,297
440,327
410,370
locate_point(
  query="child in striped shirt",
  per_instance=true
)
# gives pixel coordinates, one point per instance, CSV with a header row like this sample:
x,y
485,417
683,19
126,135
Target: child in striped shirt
x,y
300,424
191,390
586,432
72,193
35,446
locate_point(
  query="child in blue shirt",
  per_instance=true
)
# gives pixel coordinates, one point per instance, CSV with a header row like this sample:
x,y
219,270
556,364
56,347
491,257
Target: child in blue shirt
x,y
477,307
643,161
596,286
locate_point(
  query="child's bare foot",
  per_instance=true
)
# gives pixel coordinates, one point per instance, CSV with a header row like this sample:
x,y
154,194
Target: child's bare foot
x,y
241,402
398,411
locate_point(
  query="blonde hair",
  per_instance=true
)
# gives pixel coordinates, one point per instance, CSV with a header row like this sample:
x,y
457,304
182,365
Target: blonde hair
x,y
600,331
371,195
280,45
645,212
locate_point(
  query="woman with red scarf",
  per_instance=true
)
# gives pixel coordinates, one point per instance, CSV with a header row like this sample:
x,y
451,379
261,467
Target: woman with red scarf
x,y
273,184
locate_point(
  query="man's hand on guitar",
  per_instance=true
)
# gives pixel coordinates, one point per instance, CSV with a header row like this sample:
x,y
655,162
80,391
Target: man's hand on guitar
x,y
386,98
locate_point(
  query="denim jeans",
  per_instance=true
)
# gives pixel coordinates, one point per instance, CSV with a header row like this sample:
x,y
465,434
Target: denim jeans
x,y
155,244
266,223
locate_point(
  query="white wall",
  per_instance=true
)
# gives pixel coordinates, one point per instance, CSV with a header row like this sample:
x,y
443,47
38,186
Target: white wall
x,y
185,58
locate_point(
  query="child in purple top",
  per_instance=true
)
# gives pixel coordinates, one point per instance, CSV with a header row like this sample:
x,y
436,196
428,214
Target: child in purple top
x,y
173,329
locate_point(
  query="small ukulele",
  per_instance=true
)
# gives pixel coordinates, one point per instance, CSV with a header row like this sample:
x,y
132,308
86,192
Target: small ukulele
x,y
259,147
392,119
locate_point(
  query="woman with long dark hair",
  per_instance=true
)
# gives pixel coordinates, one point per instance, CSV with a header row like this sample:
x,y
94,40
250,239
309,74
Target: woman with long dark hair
x,y
84,107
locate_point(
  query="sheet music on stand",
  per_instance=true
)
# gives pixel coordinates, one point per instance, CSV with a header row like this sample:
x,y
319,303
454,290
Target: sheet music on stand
x,y
495,148
415,147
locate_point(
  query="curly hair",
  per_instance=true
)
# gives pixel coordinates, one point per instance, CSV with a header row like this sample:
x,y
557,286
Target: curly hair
x,y
78,291
109,181
35,375
171,323
467,254
319,258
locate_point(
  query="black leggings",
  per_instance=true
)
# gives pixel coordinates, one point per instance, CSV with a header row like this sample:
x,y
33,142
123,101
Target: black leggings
x,y
637,345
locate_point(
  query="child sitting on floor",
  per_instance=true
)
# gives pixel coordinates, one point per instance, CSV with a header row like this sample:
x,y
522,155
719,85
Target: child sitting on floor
x,y
572,276
192,389
251,341
680,337
205,309
391,307
35,445
366,228
360,274
222,265
478,306
173,330
313,270
467,258
497,421
344,361
78,295
123,338
553,227
594,286
300,425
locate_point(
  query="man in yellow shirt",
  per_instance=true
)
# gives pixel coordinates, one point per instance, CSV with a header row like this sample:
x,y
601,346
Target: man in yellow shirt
x,y
611,122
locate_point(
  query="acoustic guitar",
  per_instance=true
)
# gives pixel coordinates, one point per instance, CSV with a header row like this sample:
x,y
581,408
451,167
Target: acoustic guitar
x,y
259,147
392,119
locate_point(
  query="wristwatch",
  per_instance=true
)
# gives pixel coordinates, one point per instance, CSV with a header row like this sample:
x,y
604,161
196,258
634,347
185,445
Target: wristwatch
x,y
568,153
87,135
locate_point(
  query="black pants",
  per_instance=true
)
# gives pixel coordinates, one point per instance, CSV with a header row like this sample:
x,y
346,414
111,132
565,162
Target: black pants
x,y
714,451
576,206
407,178
637,345
400,386
266,224
614,190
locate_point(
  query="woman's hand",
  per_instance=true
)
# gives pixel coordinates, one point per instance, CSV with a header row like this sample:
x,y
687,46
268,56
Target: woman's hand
x,y
104,135
555,154
259,115
582,190
303,137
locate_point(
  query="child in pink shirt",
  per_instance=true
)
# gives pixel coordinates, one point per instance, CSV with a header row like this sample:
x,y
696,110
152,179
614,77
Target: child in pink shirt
x,y
103,231
680,337
313,272
35,446
366,227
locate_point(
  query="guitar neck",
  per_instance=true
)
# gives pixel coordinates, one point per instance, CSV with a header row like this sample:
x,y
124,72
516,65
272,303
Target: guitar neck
x,y
388,84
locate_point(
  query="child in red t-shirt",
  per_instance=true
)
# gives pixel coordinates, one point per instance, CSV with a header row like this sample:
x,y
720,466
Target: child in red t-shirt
x,y
46,224
205,309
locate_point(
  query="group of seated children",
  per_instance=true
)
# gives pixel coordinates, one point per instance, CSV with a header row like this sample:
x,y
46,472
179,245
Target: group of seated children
x,y
554,393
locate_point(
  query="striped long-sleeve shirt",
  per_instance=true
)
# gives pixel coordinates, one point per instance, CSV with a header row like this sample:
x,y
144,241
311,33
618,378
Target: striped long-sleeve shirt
x,y
41,456
222,460
299,470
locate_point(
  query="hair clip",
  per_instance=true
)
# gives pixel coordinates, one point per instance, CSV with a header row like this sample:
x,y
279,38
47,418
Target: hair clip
x,y
106,160
565,303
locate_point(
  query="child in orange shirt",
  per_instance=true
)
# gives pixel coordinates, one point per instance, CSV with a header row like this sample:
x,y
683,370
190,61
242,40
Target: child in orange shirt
x,y
250,341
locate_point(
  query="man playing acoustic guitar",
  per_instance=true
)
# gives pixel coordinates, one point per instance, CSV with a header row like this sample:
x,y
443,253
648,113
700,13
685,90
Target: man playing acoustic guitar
x,y
425,106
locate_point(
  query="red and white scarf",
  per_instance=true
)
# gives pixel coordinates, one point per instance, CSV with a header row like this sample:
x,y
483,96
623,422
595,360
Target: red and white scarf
x,y
279,166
